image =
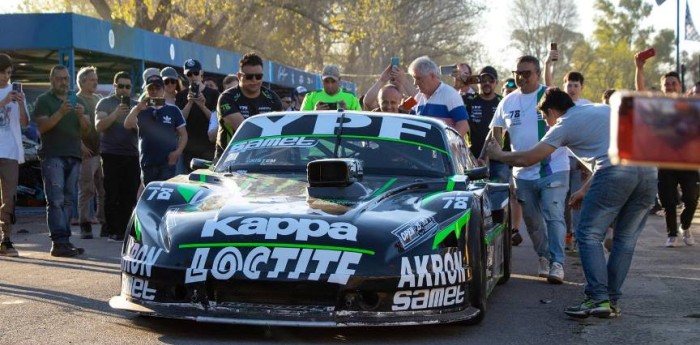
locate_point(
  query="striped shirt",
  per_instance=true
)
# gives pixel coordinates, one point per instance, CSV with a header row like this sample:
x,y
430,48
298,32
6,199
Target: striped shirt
x,y
445,104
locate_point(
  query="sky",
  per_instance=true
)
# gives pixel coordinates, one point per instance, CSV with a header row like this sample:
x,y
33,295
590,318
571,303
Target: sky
x,y
498,38
662,17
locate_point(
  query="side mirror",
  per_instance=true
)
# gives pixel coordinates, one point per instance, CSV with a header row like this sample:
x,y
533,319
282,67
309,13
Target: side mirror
x,y
197,163
478,173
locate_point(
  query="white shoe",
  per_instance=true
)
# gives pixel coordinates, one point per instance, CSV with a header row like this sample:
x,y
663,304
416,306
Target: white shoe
x,y
688,237
671,241
556,274
543,268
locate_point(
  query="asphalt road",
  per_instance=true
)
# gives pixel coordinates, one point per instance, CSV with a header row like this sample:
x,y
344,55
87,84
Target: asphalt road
x,y
46,300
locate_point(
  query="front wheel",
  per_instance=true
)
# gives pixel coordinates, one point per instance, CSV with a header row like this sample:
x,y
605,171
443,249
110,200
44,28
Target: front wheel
x,y
477,262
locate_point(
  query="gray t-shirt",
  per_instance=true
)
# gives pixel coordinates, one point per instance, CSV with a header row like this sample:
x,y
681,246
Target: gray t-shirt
x,y
116,139
585,130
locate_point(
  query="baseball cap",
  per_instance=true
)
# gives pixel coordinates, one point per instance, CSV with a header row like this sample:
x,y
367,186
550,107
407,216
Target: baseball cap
x,y
331,71
169,73
147,73
192,65
301,90
490,71
154,79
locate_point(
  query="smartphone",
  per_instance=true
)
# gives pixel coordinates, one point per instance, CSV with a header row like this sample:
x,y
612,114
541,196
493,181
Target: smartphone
x,y
156,102
395,61
126,100
72,98
647,54
473,79
409,103
332,106
17,87
194,90
448,70
553,46
511,84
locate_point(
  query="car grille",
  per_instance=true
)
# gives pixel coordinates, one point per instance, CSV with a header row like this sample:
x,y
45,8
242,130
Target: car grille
x,y
274,292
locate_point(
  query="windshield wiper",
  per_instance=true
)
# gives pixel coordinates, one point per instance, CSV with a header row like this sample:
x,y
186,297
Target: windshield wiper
x,y
338,137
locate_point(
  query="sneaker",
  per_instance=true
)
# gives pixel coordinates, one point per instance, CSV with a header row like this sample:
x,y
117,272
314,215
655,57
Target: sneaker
x,y
86,231
515,238
556,274
688,237
589,307
65,250
615,310
7,249
543,267
569,241
671,242
115,238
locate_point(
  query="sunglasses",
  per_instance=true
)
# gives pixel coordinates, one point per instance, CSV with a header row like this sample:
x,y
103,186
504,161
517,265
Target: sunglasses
x,y
486,79
124,86
250,76
195,73
169,81
523,74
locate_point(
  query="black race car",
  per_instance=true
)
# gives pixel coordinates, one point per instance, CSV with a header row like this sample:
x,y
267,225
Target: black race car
x,y
322,219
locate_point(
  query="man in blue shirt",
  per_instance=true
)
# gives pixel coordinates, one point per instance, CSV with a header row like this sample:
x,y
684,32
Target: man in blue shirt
x,y
162,133
436,98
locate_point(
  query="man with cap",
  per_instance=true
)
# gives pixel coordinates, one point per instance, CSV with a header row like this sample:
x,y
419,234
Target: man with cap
x,y
161,131
173,84
299,95
197,104
332,96
240,103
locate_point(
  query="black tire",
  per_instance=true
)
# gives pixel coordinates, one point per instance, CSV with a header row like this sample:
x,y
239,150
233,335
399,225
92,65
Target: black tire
x,y
477,261
507,248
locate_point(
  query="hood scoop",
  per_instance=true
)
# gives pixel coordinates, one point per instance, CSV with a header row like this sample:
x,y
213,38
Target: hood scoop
x,y
335,178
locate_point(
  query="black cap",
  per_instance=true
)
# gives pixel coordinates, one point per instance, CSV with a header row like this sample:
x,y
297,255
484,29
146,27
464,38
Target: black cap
x,y
192,65
154,79
490,71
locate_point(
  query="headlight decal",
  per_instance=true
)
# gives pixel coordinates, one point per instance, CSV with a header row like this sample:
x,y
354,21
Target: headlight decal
x,y
455,227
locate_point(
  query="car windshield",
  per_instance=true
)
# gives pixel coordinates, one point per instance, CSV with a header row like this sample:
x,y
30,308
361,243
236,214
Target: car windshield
x,y
380,156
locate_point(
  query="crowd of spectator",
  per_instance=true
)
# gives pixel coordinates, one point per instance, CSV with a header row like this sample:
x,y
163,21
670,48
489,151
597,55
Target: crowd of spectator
x,y
549,144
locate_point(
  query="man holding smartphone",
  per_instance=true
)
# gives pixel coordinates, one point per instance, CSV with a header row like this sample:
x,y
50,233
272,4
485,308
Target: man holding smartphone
x,y
13,116
120,157
61,125
161,130
332,96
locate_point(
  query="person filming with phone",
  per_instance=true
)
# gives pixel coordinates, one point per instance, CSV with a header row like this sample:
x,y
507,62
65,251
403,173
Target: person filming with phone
x,y
13,116
332,96
161,130
59,115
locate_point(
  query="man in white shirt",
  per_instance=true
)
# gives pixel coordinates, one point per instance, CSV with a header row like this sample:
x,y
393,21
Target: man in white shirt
x,y
13,116
540,188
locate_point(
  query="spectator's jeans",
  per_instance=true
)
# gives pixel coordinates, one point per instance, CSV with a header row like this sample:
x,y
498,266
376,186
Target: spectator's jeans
x,y
9,175
122,180
91,183
499,171
157,173
542,201
60,185
623,192
669,180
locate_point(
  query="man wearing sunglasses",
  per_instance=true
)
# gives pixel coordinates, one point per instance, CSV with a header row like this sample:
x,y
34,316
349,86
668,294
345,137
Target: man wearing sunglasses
x,y
248,99
540,188
332,96
197,104
120,157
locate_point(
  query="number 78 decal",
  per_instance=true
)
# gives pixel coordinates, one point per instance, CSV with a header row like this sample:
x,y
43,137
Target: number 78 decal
x,y
456,202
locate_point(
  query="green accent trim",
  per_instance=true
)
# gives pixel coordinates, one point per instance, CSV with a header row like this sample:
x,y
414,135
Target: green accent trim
x,y
187,192
384,187
274,245
450,184
348,136
202,178
441,235
541,131
137,228
428,198
491,235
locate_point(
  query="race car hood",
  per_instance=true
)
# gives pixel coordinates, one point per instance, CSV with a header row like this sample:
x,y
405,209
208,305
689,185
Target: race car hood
x,y
393,216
